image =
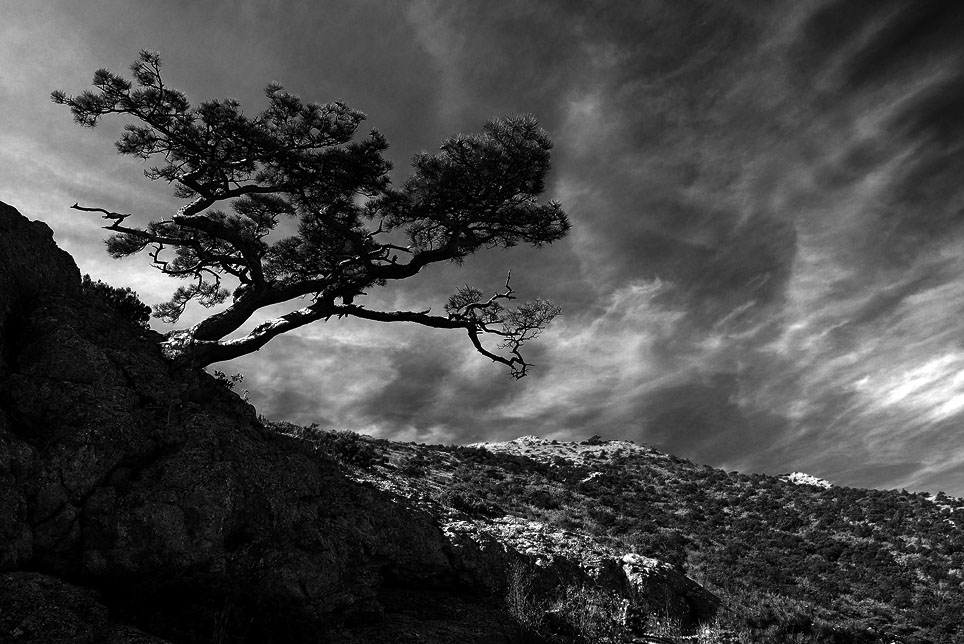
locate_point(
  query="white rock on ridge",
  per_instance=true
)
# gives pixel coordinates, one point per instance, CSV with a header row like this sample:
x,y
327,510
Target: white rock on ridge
x,y
546,450
802,478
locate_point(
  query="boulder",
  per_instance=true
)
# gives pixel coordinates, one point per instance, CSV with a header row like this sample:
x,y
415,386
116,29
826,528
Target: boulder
x,y
664,590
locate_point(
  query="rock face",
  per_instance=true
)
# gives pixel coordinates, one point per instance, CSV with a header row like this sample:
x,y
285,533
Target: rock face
x,y
663,587
566,559
112,478
188,521
22,277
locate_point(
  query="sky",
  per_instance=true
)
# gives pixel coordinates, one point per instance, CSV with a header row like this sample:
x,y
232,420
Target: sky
x,y
765,271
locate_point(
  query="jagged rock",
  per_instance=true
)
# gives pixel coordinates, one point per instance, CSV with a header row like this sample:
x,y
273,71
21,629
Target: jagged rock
x,y
22,275
111,475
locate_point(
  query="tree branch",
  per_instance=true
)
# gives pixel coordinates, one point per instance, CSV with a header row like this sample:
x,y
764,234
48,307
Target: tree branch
x,y
118,219
247,248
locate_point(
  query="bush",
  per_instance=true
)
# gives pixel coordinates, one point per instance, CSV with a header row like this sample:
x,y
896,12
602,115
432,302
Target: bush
x,y
575,615
526,609
230,382
470,503
122,301
345,447
588,615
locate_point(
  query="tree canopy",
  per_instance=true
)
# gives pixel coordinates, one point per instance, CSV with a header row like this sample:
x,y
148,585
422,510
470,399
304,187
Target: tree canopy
x,y
241,175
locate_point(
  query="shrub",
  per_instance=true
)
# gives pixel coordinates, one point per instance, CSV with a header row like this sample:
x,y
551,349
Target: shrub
x,y
230,382
526,609
345,447
470,503
414,466
587,615
578,614
122,301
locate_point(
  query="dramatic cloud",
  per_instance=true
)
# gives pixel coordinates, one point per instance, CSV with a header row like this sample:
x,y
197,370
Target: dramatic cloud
x,y
766,268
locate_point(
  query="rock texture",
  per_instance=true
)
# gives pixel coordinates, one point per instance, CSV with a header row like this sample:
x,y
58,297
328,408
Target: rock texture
x,y
23,276
159,496
38,608
661,587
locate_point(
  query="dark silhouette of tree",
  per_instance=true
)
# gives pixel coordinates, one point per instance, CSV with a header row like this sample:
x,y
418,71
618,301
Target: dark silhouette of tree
x,y
355,231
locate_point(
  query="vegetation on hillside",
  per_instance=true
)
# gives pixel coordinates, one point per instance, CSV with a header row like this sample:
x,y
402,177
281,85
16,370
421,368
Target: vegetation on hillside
x,y
123,301
794,563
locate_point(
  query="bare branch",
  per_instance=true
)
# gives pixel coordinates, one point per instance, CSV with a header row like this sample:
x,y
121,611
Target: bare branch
x,y
115,216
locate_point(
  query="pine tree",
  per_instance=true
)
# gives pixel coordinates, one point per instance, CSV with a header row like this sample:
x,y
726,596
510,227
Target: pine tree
x,y
241,175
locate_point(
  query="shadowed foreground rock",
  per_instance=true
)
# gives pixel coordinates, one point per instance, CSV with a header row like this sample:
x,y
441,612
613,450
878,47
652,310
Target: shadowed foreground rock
x,y
152,500
38,608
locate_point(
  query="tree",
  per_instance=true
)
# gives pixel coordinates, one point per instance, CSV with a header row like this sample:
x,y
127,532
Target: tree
x,y
301,161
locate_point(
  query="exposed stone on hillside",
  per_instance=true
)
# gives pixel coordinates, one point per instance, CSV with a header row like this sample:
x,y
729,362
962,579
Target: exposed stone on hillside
x,y
113,477
584,452
566,558
802,478
163,492
666,589
555,558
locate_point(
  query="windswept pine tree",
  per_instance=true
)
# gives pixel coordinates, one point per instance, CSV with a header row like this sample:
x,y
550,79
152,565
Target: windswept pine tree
x,y
241,175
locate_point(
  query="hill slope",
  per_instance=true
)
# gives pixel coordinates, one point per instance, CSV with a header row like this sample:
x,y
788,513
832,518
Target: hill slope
x,y
793,557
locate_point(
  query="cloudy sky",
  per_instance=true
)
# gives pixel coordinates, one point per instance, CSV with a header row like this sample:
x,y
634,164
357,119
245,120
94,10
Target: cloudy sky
x,y
766,267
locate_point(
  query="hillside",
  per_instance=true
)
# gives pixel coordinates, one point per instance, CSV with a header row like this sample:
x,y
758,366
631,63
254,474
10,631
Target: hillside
x,y
794,558
144,503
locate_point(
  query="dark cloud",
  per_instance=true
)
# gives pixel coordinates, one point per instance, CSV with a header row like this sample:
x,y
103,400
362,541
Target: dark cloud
x,y
867,473
704,420
937,479
748,269
913,33
425,398
895,70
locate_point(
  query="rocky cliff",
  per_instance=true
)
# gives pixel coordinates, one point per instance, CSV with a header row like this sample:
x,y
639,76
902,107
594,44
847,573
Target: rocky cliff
x,y
141,504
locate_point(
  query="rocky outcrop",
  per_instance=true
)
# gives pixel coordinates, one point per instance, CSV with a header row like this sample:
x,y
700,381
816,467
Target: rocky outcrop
x,y
662,589
22,275
159,495
558,559
554,561
112,477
